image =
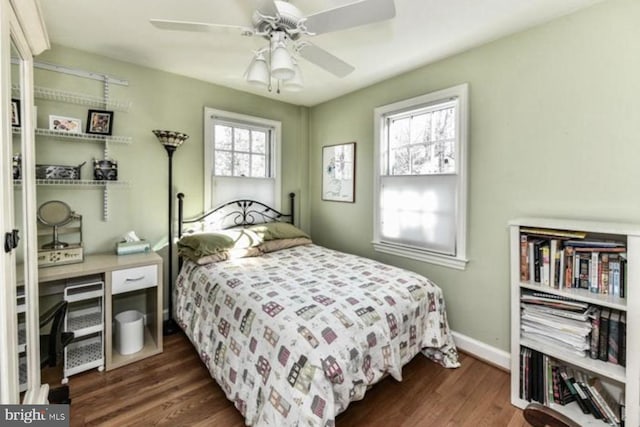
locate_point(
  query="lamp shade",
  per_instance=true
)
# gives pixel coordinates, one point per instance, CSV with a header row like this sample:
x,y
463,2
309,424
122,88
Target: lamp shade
x,y
170,138
281,63
294,84
258,72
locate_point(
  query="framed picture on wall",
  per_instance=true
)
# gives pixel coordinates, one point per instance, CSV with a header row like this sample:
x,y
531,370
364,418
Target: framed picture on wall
x,y
100,122
339,172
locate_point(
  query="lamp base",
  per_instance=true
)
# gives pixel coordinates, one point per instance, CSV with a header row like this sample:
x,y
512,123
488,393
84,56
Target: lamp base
x,y
170,327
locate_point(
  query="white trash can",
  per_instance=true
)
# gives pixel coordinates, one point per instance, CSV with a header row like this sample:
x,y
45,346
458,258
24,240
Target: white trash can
x,y
129,332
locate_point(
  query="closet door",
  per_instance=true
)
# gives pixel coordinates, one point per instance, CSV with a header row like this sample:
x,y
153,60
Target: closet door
x,y
18,220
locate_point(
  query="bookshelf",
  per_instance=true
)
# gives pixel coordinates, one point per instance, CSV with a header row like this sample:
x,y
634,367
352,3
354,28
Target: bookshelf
x,y
618,380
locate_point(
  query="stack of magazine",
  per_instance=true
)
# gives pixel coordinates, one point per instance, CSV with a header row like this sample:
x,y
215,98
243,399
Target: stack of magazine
x,y
558,322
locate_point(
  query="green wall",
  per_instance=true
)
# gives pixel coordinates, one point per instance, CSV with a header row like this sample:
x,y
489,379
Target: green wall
x,y
160,100
554,131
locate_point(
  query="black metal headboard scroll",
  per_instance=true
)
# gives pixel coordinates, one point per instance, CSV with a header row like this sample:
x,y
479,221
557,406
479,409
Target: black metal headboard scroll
x,y
236,214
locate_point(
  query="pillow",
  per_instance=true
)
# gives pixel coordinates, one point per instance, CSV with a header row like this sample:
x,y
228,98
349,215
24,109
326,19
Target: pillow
x,y
195,246
276,245
277,230
227,255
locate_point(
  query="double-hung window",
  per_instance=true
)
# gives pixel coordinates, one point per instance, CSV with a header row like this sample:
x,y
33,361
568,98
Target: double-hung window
x,y
420,182
241,158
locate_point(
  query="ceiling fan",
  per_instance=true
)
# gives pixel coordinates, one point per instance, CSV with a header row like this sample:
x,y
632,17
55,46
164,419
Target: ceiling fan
x,y
285,26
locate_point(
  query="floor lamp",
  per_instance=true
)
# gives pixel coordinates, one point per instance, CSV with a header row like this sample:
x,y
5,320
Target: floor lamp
x,y
171,141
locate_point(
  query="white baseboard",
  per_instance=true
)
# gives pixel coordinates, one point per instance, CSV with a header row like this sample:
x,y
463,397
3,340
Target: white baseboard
x,y
483,351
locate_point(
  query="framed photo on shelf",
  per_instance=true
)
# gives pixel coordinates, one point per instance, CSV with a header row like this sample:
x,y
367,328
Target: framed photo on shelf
x,y
100,122
15,112
65,124
338,172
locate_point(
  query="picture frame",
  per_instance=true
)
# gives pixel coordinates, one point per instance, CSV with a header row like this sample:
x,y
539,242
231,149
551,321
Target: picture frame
x,y
65,124
100,122
339,172
15,113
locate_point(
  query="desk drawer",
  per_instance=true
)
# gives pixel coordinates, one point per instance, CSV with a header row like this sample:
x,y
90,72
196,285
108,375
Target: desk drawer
x,y
132,279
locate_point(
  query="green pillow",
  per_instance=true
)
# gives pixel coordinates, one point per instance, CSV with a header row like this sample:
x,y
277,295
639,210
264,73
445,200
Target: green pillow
x,y
201,244
278,230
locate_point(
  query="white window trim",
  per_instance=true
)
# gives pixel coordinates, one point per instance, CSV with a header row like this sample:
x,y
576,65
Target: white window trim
x,y
458,261
276,150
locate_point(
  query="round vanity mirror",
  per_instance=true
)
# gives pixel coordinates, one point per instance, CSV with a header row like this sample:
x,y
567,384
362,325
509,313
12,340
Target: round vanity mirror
x,y
55,213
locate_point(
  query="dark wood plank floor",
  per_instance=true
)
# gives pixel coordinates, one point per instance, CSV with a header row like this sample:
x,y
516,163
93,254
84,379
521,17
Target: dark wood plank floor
x,y
175,389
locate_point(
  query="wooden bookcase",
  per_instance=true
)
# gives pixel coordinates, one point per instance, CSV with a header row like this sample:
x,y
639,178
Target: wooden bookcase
x,y
622,379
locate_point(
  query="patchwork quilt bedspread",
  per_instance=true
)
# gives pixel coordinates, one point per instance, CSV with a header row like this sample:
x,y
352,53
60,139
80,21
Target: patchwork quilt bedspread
x,y
293,336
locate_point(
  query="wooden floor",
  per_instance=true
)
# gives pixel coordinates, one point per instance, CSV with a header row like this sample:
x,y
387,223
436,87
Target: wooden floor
x,y
175,389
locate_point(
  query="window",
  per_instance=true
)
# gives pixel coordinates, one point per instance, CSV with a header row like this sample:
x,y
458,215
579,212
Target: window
x,y
241,158
420,191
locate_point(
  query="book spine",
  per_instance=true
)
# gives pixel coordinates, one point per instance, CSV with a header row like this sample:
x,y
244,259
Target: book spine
x,y
594,348
614,337
546,268
604,273
604,334
622,346
524,258
582,395
568,276
593,273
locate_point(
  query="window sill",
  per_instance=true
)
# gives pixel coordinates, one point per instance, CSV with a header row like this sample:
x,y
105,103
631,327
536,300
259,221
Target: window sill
x,y
420,255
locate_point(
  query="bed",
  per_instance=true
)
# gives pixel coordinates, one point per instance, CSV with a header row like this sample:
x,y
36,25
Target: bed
x,y
292,331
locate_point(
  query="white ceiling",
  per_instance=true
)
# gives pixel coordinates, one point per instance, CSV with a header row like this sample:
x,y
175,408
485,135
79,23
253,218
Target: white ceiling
x,y
422,32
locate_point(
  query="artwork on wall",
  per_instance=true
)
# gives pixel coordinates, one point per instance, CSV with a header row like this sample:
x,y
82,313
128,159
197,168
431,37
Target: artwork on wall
x,y
65,124
100,122
338,172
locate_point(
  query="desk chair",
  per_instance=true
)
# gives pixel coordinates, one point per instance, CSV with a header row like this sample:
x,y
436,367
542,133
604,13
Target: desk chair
x,y
542,416
52,346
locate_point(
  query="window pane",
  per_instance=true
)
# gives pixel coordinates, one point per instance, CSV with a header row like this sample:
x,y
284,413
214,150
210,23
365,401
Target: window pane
x,y
443,124
241,165
259,142
399,159
222,165
399,132
420,128
419,159
241,142
223,137
258,166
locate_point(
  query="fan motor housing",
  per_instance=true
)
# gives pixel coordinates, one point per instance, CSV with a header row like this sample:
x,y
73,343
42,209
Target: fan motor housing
x,y
289,17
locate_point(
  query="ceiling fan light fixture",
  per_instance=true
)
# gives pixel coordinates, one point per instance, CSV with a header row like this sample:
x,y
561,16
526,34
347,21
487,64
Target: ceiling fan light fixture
x,y
281,63
296,83
258,73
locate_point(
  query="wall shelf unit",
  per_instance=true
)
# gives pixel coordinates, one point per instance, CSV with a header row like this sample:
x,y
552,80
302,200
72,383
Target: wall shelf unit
x,y
619,370
76,98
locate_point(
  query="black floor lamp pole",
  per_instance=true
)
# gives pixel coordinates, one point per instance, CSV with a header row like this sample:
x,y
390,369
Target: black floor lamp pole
x,y
170,140
169,326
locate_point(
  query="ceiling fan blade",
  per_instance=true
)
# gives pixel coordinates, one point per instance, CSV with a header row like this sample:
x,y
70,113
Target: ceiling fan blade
x,y
324,59
268,8
169,24
350,15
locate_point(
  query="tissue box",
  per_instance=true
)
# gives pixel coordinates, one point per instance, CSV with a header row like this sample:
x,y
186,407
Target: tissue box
x,y
126,248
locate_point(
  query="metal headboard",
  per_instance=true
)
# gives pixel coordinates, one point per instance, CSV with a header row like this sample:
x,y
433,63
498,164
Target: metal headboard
x,y
236,214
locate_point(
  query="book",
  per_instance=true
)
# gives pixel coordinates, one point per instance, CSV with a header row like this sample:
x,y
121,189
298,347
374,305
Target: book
x,y
594,348
570,383
593,272
524,258
622,346
554,232
583,261
614,274
545,267
554,262
614,337
596,408
568,269
584,396
604,333
610,406
604,273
